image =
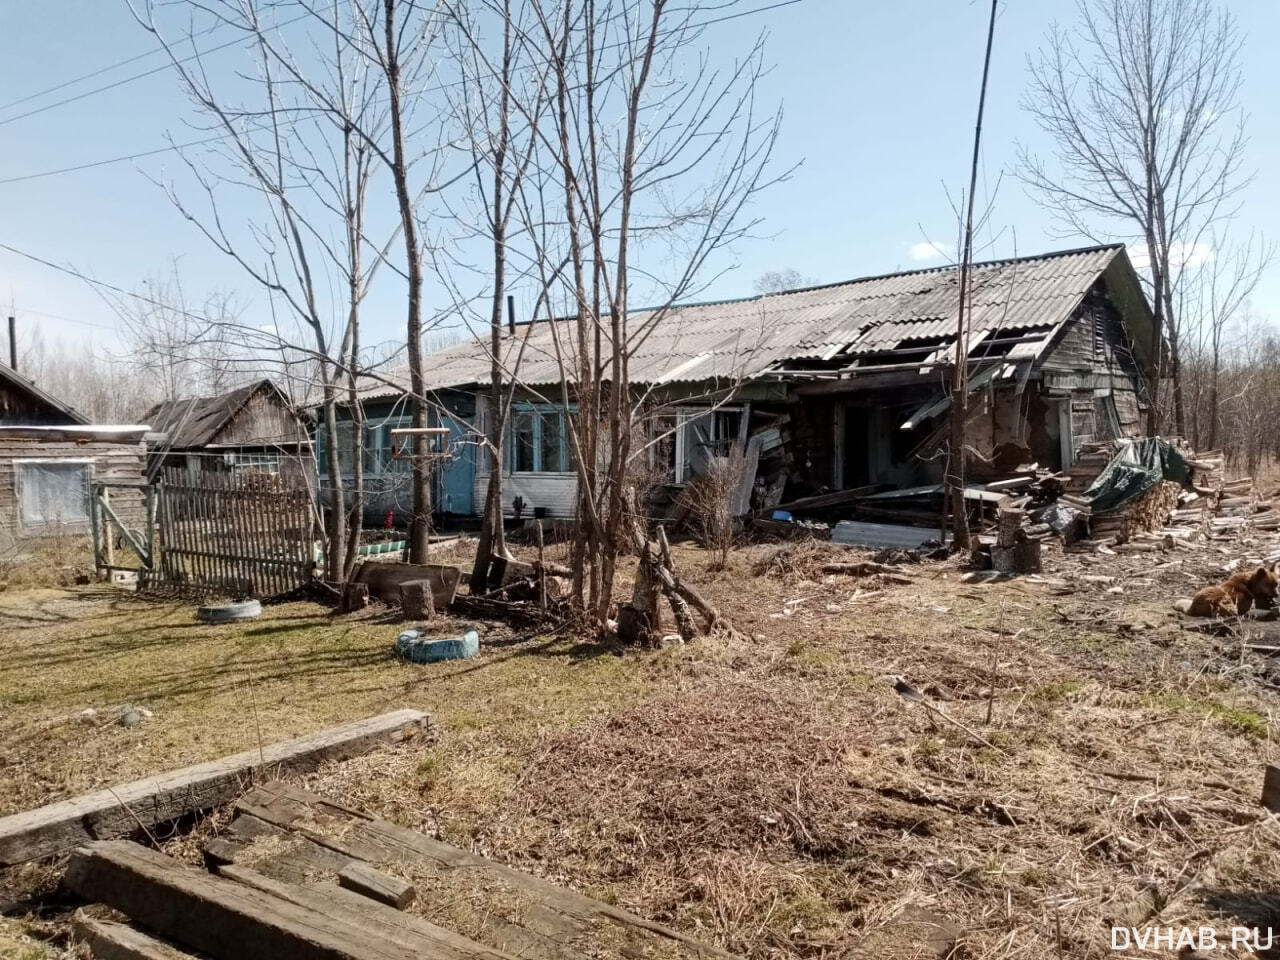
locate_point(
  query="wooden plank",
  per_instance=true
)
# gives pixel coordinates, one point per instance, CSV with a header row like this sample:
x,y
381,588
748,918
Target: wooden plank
x,y
120,811
382,921
109,940
227,919
527,915
383,887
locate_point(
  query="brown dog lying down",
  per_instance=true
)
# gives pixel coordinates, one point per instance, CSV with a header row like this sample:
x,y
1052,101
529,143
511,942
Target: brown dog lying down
x,y
1235,597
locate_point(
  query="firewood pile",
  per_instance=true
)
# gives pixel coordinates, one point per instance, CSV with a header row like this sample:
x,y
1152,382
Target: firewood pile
x,y
1169,515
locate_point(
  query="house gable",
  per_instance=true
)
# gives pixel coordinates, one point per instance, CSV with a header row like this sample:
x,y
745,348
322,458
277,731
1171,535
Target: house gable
x,y
22,403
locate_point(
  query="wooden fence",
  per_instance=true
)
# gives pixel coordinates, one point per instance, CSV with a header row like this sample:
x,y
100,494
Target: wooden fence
x,y
240,534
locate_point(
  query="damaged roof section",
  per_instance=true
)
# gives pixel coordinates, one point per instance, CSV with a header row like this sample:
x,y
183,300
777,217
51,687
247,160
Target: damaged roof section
x,y
910,320
892,322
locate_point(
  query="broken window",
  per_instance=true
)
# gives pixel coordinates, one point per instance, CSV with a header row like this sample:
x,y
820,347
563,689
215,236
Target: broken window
x,y
54,492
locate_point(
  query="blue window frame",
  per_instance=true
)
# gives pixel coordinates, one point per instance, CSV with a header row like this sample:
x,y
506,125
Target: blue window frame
x,y
538,440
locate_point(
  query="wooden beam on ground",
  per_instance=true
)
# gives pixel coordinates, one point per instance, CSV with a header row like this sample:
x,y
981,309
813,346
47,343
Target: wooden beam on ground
x,y
233,921
521,913
384,922
126,809
109,940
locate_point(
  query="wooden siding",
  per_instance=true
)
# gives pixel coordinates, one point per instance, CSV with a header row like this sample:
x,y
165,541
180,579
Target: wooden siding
x,y
121,462
263,421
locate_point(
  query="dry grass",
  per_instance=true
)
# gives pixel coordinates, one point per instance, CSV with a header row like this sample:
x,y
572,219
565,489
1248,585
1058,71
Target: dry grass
x,y
55,561
771,794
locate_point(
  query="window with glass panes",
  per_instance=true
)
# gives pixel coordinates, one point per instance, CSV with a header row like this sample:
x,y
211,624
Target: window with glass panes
x,y
538,441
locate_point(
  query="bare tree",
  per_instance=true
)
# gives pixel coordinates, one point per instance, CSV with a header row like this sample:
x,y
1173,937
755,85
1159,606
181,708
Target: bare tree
x,y
654,160
1140,104
779,281
176,341
299,144
498,108
1212,300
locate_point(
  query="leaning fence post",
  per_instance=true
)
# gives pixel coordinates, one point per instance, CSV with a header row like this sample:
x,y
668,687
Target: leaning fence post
x,y
109,547
95,519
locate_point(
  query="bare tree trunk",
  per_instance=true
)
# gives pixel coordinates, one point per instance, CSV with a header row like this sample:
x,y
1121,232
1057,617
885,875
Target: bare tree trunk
x,y
420,482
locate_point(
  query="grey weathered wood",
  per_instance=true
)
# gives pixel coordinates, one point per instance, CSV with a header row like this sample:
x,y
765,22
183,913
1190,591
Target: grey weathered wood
x,y
384,922
122,810
359,877
108,940
384,580
549,919
226,919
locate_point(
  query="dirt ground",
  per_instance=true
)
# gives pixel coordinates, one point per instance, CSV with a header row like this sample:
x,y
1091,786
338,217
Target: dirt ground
x,y
768,791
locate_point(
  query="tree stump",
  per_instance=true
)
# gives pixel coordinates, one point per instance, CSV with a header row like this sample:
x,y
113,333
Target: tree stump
x,y
355,596
416,601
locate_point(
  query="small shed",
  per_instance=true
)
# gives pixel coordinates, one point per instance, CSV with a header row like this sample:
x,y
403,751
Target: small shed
x,y
49,457
254,427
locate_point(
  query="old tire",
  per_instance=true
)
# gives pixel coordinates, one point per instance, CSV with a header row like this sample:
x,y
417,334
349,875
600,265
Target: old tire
x,y
229,612
427,650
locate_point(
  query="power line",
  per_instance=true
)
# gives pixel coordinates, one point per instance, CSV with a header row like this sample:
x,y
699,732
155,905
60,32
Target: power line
x,y
103,163
93,281
93,73
138,76
215,49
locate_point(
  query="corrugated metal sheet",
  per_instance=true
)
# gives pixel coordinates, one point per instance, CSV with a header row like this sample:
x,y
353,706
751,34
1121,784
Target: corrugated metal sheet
x,y
745,338
881,535
557,492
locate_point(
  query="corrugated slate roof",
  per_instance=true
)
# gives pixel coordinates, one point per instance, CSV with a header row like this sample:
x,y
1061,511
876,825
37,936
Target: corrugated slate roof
x,y
196,421
748,338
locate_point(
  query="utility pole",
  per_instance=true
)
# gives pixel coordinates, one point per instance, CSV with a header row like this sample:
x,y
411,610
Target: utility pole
x,y
960,378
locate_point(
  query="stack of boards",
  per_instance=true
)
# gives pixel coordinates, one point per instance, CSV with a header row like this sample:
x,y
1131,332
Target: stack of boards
x,y
301,877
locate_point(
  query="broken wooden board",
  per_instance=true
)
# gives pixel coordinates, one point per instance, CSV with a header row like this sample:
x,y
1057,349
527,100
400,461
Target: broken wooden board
x,y
109,940
122,810
230,920
508,909
359,877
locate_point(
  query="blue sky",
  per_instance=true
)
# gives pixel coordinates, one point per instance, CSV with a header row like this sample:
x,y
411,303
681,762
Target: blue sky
x,y
879,99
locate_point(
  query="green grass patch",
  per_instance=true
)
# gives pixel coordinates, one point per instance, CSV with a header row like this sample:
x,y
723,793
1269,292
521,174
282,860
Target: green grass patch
x,y
1238,719
1056,692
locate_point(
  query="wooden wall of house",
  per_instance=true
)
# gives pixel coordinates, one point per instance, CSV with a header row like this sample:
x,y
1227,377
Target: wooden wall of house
x,y
124,462
19,408
1092,364
264,420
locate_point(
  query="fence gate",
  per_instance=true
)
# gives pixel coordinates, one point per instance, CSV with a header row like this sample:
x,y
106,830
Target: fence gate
x,y
248,534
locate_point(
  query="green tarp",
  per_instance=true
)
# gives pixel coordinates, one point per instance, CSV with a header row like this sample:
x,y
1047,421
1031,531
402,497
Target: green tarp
x,y
1138,467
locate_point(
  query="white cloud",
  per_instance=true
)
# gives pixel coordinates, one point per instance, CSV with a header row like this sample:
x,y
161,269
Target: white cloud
x,y
927,250
1182,256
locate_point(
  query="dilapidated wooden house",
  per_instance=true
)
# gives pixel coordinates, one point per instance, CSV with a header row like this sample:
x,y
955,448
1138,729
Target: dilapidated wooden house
x,y
49,457
254,427
846,385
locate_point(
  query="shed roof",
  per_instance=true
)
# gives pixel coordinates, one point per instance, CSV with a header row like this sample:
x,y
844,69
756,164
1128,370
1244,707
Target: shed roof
x,y
903,319
195,422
